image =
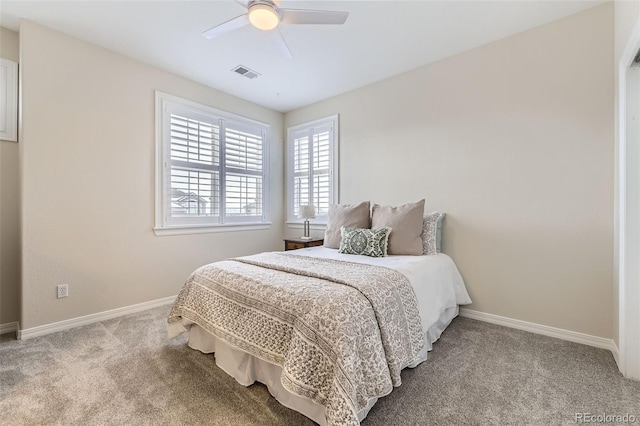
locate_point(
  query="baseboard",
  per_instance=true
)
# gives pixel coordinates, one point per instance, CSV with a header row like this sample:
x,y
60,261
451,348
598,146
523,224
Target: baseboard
x,y
616,353
545,330
9,327
93,318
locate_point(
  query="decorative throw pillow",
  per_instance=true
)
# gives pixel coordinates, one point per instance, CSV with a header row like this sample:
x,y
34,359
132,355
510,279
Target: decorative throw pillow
x,y
352,215
369,242
432,233
406,222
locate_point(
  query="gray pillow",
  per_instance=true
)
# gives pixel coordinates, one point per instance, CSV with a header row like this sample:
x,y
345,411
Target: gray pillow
x,y
352,215
406,224
368,242
432,233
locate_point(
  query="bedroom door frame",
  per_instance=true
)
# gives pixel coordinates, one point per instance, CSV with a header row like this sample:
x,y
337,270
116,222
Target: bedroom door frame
x,y
628,207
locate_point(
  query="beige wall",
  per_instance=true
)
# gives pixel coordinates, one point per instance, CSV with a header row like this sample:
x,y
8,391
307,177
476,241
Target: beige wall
x,y
9,207
627,15
514,140
9,44
88,181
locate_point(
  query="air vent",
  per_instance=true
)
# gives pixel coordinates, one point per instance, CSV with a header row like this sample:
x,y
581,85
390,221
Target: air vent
x,y
242,70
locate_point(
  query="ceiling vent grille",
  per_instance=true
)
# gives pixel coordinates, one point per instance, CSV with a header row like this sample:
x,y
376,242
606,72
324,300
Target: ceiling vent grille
x,y
242,70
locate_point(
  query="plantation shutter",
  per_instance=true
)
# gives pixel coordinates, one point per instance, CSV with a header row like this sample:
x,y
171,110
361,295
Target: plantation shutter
x,y
301,168
312,169
213,166
195,166
321,186
243,172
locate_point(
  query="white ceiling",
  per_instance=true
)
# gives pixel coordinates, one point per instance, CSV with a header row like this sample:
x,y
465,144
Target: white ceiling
x,y
380,39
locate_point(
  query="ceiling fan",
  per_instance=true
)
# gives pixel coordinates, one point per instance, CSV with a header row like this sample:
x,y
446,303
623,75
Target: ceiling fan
x,y
266,15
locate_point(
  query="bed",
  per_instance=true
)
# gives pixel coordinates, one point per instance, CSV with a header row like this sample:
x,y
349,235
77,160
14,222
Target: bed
x,y
327,333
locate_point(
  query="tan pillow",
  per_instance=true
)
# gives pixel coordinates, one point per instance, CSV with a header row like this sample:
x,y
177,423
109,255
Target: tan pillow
x,y
352,215
405,222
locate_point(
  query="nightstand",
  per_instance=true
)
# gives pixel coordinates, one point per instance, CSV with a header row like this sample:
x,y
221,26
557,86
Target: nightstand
x,y
297,243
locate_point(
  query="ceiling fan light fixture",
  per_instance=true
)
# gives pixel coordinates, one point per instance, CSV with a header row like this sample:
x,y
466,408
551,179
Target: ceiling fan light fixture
x,y
263,16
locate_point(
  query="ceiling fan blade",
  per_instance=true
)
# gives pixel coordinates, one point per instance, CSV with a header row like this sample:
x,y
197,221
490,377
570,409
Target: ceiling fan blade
x,y
226,27
244,3
276,37
299,16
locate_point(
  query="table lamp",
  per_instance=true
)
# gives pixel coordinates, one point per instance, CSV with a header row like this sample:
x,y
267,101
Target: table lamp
x,y
307,211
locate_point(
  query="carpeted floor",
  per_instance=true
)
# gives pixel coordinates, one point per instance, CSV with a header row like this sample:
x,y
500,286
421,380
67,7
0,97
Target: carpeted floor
x,y
125,372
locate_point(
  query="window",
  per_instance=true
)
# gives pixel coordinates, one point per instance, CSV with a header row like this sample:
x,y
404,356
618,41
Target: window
x,y
312,167
212,168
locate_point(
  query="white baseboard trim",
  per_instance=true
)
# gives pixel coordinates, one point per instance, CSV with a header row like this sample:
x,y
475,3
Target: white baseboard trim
x,y
9,327
93,318
545,330
616,353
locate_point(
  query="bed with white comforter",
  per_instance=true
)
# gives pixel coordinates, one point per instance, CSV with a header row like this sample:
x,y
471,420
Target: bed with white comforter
x,y
328,333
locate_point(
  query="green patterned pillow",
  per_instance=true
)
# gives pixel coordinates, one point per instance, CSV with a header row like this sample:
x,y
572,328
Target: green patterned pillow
x,y
369,242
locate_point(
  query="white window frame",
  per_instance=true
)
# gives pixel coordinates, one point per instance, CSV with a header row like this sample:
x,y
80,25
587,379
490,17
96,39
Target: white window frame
x,y
332,122
164,224
9,100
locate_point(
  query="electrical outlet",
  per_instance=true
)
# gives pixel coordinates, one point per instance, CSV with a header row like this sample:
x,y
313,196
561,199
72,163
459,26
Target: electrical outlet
x,y
63,291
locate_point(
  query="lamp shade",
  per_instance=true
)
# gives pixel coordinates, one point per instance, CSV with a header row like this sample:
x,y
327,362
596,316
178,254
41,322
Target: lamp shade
x,y
307,211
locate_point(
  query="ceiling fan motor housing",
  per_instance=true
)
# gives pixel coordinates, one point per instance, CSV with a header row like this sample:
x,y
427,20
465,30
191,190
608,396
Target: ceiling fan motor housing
x,y
264,14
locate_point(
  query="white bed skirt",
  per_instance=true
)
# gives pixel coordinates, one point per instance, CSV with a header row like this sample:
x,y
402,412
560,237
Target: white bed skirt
x,y
248,369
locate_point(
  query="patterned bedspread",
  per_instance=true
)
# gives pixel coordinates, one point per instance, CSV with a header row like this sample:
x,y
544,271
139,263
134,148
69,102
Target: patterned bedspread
x,y
340,331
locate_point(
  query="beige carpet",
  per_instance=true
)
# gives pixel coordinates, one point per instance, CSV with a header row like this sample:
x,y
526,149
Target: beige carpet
x,y
125,372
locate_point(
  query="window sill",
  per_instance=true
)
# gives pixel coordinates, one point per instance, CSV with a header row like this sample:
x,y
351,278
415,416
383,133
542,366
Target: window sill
x,y
231,227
